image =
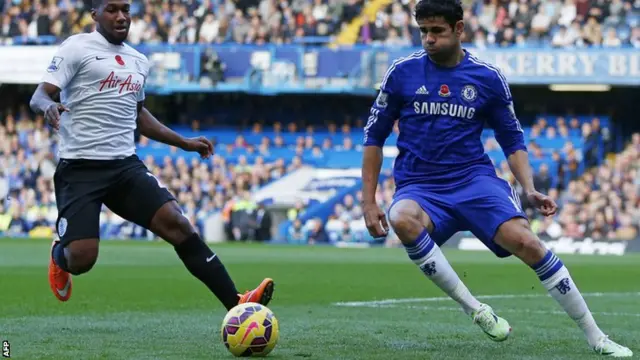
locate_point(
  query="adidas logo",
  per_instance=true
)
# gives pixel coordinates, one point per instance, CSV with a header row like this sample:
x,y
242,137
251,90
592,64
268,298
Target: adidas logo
x,y
422,90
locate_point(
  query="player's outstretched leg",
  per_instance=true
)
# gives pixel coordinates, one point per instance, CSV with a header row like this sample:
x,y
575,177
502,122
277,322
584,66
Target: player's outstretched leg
x,y
411,224
204,264
516,237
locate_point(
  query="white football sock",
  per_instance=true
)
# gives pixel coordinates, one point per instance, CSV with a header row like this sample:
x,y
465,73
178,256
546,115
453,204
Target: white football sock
x,y
556,279
427,255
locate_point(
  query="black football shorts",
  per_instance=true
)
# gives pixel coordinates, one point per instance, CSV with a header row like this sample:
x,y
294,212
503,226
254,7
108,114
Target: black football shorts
x,y
125,186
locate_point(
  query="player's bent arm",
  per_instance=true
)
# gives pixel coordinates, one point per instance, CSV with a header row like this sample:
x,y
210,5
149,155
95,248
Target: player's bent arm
x,y
384,111
509,133
511,139
43,97
376,132
64,66
371,165
521,169
150,127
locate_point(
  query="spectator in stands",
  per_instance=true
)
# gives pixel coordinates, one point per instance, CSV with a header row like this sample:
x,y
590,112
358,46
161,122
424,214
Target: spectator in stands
x,y
17,226
592,32
626,230
611,39
591,145
346,235
316,233
541,22
5,218
635,38
563,38
546,227
242,217
262,224
542,179
296,233
296,210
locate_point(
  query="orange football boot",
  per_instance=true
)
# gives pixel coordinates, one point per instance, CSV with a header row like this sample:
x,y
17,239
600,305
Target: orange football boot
x,y
59,280
261,295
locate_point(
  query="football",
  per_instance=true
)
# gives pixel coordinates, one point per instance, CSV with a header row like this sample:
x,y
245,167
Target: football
x,y
250,329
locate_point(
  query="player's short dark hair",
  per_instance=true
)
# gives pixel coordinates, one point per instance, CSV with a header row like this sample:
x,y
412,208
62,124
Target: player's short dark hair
x,y
95,4
450,10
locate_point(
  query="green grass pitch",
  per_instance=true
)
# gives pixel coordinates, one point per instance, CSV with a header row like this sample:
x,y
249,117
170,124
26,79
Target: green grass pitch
x,y
140,303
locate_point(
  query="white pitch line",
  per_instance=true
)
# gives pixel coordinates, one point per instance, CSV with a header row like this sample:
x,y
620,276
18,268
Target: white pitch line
x,y
506,310
381,303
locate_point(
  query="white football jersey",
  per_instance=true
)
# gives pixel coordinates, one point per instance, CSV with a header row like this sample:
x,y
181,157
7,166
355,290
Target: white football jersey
x,y
101,85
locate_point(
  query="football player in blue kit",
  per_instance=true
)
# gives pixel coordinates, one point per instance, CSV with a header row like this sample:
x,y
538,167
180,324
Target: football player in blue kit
x,y
442,96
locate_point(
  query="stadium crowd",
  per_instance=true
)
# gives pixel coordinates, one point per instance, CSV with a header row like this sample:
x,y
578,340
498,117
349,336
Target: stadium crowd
x,y
603,203
206,21
568,23
607,23
27,166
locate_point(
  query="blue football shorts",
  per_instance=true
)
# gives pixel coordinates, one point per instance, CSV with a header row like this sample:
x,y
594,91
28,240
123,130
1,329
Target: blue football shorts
x,y
480,205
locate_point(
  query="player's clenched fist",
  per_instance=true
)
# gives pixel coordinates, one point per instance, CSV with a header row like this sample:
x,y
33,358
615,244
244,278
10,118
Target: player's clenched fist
x,y
201,145
376,221
545,205
52,114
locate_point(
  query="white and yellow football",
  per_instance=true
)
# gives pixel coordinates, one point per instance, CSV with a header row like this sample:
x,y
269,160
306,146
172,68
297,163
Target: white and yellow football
x,y
250,329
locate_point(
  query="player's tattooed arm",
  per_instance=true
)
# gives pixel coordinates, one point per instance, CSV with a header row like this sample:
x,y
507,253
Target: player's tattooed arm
x,y
150,127
42,102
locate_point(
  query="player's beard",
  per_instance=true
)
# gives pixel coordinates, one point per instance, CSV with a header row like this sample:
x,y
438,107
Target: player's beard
x,y
441,56
446,56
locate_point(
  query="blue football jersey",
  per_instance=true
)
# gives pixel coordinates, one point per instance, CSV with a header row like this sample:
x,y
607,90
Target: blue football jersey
x,y
441,113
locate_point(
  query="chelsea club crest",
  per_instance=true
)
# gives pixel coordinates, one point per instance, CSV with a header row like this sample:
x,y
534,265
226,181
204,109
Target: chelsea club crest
x,y
469,93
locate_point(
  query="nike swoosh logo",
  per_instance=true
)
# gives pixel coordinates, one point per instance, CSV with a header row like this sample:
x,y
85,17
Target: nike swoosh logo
x,y
211,258
253,325
100,58
63,292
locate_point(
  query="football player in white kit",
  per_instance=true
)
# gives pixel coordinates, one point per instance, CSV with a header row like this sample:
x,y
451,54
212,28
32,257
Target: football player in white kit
x,y
100,81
